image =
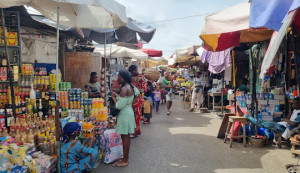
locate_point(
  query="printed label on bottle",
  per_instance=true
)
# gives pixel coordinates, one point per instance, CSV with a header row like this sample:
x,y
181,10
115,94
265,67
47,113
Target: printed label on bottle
x,y
43,95
2,122
23,109
8,121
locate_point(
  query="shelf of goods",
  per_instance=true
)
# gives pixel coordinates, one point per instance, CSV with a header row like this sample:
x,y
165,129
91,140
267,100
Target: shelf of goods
x,y
268,104
27,133
35,103
12,34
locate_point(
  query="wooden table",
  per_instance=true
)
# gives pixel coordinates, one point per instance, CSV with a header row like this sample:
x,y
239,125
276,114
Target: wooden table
x,y
213,95
186,93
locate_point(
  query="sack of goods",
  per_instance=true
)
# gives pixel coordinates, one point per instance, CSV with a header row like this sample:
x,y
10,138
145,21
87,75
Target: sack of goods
x,y
114,146
152,75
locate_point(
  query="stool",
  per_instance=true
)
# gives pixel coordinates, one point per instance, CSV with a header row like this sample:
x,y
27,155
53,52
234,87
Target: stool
x,y
295,144
231,122
278,138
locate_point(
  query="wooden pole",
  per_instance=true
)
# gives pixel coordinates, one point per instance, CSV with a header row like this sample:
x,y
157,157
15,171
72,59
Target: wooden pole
x,y
222,94
9,69
234,81
296,63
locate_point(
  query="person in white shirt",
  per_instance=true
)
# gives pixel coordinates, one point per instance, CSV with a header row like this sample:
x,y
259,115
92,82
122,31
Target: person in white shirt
x,y
197,94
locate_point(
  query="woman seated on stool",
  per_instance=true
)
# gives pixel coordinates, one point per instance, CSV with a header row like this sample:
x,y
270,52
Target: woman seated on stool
x,y
286,127
77,157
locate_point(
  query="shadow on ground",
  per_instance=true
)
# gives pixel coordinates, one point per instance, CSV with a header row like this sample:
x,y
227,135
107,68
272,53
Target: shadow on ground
x,y
186,142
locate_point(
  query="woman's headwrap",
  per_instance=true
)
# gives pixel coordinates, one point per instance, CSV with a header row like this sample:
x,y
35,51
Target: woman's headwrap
x,y
69,130
126,75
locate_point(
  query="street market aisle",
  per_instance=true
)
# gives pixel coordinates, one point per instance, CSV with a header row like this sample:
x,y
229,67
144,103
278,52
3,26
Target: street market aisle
x,y
186,142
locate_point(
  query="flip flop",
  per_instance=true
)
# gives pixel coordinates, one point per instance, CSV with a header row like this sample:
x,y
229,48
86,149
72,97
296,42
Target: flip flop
x,y
133,136
120,164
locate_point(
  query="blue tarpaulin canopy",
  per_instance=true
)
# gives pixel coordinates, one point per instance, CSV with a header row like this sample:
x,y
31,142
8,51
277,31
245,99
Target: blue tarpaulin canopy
x,y
270,13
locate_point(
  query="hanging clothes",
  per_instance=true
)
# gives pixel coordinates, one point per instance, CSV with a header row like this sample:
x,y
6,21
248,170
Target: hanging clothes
x,y
205,57
228,74
219,61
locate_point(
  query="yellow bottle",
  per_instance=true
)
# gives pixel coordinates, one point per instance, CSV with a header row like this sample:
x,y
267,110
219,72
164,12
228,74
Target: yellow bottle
x,y
18,136
101,103
30,138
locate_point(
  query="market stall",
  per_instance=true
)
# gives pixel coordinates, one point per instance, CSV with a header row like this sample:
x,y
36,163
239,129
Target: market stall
x,y
113,60
36,97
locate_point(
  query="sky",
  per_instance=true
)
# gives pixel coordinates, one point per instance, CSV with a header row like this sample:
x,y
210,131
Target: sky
x,y
175,34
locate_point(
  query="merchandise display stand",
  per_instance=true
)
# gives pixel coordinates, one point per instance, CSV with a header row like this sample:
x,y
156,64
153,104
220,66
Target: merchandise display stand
x,y
187,97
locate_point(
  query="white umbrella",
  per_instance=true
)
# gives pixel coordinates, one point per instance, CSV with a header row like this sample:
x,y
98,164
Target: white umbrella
x,y
78,13
121,52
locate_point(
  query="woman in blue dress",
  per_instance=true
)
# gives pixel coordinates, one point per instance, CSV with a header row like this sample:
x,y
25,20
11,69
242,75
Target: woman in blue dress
x,y
77,157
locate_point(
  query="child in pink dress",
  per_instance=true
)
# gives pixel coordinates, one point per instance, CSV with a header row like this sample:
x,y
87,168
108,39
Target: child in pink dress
x,y
157,98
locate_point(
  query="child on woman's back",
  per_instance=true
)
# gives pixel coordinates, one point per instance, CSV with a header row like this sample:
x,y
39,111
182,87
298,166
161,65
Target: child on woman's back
x,y
157,97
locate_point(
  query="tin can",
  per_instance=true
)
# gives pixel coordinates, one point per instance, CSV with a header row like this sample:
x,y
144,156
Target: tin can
x,y
72,105
81,117
79,91
90,102
60,87
71,99
70,92
77,115
78,105
68,85
73,113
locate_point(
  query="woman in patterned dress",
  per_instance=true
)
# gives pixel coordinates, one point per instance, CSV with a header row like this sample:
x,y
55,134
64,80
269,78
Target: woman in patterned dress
x,y
77,157
140,82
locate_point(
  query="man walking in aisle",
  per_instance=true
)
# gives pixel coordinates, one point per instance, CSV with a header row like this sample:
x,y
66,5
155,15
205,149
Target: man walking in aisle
x,y
197,94
168,85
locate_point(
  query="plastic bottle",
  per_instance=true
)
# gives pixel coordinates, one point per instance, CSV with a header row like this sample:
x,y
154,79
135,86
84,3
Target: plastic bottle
x,y
101,103
30,138
46,148
24,137
32,94
52,147
93,103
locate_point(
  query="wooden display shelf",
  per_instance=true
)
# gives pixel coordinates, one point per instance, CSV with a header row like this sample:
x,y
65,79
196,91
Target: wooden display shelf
x,y
8,81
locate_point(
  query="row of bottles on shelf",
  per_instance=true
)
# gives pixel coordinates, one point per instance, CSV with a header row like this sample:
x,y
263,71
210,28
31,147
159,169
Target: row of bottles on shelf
x,y
28,122
28,75
40,96
4,66
4,59
32,129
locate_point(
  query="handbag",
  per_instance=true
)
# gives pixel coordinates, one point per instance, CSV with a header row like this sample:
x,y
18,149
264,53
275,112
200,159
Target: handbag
x,y
113,110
